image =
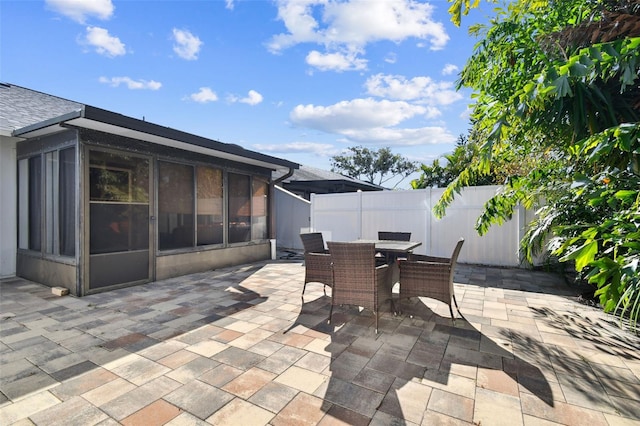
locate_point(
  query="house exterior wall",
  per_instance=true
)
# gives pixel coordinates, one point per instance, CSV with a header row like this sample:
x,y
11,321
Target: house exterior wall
x,y
74,273
50,272
8,210
175,265
49,269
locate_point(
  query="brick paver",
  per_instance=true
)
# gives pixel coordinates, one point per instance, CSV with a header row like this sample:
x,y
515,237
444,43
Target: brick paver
x,y
237,346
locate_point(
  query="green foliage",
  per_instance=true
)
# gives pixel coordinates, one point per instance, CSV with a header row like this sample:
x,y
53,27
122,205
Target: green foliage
x,y
458,166
459,8
376,167
546,89
435,175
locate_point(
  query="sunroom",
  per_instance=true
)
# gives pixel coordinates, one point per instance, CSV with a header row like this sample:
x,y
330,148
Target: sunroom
x,y
106,201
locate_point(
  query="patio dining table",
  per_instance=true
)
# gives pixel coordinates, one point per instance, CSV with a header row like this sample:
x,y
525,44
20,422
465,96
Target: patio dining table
x,y
395,247
391,249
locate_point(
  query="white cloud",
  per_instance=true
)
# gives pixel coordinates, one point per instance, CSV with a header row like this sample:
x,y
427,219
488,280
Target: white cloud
x,y
204,95
433,112
336,61
229,4
80,10
320,149
449,69
186,45
401,137
104,43
391,58
419,89
130,83
423,158
370,121
355,114
356,23
252,98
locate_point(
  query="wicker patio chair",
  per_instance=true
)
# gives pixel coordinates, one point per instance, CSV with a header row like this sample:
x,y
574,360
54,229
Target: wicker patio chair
x,y
394,236
429,276
317,261
313,242
356,279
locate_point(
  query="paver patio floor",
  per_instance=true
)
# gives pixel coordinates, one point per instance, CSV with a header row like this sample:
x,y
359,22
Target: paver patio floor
x,y
237,346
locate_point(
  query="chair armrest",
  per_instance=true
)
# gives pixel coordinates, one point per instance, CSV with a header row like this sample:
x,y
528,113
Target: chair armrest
x,y
423,258
317,255
319,259
379,269
421,264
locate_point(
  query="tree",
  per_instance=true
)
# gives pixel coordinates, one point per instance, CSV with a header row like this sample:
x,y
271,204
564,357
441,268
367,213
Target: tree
x,y
462,156
556,81
439,176
376,167
466,152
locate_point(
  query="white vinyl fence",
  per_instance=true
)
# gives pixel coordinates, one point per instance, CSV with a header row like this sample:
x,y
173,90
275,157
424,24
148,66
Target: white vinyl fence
x,y
360,215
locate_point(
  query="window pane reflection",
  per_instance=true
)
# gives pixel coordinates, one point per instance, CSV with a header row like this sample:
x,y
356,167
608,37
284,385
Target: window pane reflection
x,y
35,203
50,194
118,178
67,205
259,209
175,206
239,208
119,203
210,209
119,227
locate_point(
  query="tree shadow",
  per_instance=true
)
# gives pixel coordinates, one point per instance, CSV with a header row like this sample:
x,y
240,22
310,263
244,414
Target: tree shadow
x,y
372,375
604,332
593,374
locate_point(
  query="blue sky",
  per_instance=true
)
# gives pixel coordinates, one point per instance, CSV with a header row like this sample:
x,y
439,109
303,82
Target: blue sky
x,y
301,80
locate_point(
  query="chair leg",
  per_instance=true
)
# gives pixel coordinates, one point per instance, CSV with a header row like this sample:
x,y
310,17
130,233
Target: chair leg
x,y
303,289
324,288
454,301
453,319
376,315
330,313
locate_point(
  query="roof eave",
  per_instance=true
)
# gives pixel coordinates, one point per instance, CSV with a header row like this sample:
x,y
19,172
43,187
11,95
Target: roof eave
x,y
346,181
46,127
109,122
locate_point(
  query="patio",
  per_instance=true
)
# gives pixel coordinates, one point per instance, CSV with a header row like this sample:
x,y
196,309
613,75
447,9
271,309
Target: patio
x,y
236,346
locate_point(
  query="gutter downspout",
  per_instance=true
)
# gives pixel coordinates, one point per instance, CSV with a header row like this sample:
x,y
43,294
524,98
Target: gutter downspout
x,y
281,178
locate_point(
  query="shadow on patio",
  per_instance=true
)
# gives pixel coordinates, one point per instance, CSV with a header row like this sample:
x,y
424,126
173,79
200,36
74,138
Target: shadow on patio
x,y
401,372
236,346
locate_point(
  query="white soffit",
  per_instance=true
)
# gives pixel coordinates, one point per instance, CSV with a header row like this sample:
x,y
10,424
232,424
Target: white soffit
x,y
134,134
77,119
